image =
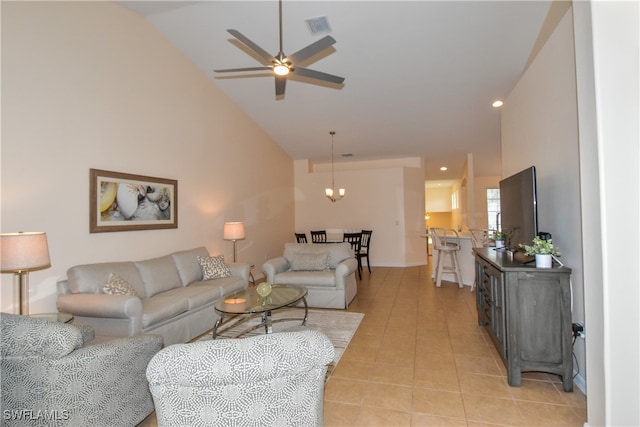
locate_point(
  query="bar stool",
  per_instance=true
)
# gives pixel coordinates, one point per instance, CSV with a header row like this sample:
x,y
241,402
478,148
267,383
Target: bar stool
x,y
446,242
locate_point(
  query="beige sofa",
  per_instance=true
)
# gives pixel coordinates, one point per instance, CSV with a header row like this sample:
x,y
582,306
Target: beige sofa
x,y
327,270
171,298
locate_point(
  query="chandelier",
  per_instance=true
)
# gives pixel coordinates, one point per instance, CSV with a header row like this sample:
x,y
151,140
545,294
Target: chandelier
x,y
330,192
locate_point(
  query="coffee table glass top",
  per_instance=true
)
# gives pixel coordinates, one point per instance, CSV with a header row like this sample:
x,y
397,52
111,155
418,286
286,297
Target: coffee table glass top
x,y
248,301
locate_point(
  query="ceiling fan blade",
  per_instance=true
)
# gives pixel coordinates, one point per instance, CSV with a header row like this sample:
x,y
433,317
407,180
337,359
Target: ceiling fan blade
x,y
233,70
312,49
251,45
318,75
281,82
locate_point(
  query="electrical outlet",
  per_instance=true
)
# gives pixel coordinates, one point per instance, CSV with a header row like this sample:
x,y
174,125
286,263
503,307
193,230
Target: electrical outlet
x,y
578,330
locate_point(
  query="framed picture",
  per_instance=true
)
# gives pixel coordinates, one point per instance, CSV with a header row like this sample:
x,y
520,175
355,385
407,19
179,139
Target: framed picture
x,y
124,202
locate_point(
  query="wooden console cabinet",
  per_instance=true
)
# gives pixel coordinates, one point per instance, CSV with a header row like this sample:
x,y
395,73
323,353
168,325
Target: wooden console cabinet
x,y
527,312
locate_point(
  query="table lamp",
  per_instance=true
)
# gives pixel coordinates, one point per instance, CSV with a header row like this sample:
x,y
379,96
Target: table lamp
x,y
234,231
19,253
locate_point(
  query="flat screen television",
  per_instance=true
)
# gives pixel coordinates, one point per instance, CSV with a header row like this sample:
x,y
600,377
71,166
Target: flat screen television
x,y
518,207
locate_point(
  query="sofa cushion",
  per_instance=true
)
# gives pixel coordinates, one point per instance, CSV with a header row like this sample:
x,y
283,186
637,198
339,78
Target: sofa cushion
x,y
308,279
162,307
158,274
302,261
116,285
196,296
89,278
225,285
338,252
187,264
213,267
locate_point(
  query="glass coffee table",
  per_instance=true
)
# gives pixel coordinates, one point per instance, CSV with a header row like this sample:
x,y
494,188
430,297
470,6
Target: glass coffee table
x,y
237,308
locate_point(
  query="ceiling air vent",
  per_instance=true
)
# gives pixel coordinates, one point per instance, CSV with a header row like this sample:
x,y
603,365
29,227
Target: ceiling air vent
x,y
318,25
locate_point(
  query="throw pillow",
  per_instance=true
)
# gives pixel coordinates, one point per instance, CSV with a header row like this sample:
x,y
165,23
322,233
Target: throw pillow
x,y
116,285
213,267
309,261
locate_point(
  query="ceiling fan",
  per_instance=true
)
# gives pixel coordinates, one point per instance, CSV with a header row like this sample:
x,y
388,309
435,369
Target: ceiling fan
x,y
282,64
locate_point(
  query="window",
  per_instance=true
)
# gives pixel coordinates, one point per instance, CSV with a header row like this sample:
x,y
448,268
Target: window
x,y
493,207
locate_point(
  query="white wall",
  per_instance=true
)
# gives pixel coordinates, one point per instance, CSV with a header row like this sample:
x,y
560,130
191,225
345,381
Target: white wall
x,y
607,75
607,58
540,128
386,199
92,85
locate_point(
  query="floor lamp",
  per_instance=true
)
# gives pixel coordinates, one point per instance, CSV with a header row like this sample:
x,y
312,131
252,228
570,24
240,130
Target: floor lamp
x,y
19,253
234,231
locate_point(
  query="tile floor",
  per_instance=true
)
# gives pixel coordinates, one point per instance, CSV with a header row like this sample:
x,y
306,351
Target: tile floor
x,y
419,358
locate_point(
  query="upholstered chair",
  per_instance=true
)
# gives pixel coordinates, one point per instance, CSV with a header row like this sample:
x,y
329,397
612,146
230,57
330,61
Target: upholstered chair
x,y
265,380
57,374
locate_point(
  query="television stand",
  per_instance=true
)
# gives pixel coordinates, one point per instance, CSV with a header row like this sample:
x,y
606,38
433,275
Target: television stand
x,y
527,313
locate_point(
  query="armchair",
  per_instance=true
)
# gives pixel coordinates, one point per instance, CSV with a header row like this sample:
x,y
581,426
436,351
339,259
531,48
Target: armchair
x,y
275,379
58,375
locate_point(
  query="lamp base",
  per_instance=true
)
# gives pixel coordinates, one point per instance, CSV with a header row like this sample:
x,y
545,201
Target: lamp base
x,y
21,292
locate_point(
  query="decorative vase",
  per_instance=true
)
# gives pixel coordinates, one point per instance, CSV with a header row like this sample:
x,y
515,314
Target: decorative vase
x,y
543,261
499,244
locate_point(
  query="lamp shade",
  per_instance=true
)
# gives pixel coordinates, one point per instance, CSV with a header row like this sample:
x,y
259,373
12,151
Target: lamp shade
x,y
233,230
24,251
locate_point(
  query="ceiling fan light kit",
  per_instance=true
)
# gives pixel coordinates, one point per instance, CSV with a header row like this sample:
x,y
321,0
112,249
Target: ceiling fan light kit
x,y
281,64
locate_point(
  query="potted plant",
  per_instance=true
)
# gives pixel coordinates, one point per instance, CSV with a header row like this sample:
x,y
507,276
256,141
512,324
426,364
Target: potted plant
x,y
543,251
500,238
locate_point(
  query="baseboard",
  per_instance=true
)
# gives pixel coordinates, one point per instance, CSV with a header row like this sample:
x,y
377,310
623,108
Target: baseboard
x,y
578,380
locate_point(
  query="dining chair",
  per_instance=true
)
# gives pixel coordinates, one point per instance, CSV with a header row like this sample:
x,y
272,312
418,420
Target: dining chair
x,y
301,238
364,248
318,236
355,240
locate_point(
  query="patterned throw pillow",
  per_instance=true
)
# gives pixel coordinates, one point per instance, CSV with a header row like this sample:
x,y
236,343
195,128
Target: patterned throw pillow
x,y
309,261
213,267
116,285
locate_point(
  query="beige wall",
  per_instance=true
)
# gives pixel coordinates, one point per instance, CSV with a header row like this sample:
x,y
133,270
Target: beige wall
x,y
438,199
387,198
92,85
540,128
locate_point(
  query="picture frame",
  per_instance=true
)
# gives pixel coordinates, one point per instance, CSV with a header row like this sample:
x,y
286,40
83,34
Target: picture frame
x,y
126,202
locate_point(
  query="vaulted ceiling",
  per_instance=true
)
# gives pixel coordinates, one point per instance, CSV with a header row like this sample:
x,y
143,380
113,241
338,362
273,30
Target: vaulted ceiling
x,y
420,76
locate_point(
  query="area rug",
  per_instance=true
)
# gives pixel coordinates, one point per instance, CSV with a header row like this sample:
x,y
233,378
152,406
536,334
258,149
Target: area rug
x,y
339,326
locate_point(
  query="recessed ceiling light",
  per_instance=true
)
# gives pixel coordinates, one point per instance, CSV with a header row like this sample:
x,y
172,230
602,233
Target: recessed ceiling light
x,y
443,168
497,103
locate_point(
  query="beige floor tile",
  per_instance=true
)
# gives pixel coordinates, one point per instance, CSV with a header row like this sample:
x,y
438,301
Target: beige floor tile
x,y
369,417
388,397
476,365
439,379
538,391
354,369
543,414
491,410
390,374
421,420
360,351
340,414
432,361
344,390
438,402
484,385
575,398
